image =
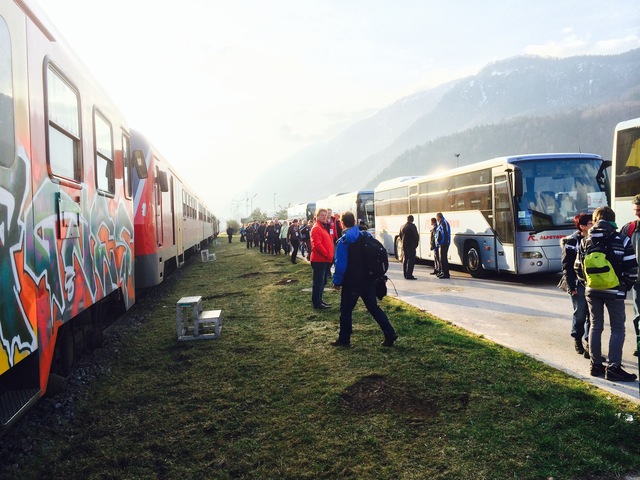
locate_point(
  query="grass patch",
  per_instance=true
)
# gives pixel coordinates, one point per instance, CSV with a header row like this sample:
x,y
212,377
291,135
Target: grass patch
x,y
271,399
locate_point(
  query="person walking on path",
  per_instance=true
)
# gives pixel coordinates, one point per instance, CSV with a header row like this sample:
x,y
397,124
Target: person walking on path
x,y
443,240
603,236
632,231
410,239
230,233
321,258
351,276
570,283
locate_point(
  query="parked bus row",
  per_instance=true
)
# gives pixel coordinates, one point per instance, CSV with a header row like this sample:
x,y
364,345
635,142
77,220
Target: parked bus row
x,y
506,214
90,212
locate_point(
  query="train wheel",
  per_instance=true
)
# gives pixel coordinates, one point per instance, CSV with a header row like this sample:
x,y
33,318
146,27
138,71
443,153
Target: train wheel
x,y
472,260
67,351
55,384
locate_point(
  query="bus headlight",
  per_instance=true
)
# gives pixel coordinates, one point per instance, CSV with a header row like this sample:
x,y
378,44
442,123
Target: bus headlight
x,y
530,255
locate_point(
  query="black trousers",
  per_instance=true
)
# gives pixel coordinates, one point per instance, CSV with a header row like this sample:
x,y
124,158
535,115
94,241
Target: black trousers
x,y
408,262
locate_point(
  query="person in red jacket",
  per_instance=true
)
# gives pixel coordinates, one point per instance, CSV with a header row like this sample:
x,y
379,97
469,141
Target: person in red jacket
x,y
321,259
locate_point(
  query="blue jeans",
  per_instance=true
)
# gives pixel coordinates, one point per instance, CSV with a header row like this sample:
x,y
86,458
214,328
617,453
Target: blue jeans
x,y
581,321
615,307
320,275
349,298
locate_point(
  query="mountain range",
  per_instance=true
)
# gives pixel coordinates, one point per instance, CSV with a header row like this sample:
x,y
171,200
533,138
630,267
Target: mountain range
x,y
520,105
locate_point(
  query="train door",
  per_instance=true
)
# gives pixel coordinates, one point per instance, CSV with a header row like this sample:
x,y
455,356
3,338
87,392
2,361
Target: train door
x,y
176,217
158,199
503,224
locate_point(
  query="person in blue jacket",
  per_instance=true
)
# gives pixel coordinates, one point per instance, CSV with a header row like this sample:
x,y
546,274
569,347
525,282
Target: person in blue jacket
x,y
442,242
351,276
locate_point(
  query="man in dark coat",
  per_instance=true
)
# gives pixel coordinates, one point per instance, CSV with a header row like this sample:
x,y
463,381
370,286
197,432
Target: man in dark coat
x,y
410,239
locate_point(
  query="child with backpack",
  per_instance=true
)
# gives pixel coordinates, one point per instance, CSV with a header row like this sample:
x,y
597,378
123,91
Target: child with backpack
x,y
607,266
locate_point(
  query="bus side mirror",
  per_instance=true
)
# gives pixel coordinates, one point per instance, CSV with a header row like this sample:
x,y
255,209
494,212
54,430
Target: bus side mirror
x,y
517,183
139,163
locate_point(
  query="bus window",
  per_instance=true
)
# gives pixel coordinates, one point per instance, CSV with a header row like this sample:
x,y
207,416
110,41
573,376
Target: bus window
x,y
628,162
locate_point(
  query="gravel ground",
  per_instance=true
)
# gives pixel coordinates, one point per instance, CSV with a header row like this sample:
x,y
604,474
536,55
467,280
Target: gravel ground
x,y
49,414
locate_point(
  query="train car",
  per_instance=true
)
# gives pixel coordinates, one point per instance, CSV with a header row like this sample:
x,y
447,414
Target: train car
x,y
66,209
171,221
77,204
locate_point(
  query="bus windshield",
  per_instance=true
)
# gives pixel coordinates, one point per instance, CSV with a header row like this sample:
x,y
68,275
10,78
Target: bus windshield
x,y
554,192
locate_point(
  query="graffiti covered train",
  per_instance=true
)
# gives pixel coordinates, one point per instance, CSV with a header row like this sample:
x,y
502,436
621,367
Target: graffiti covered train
x,y
90,212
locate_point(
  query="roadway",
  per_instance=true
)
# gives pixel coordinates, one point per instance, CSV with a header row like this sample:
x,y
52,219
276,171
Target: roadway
x,y
527,314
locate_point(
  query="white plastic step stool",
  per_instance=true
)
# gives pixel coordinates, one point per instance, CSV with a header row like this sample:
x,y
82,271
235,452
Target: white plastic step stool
x,y
206,256
206,318
192,321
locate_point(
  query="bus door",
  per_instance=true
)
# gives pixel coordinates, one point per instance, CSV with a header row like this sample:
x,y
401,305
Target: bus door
x,y
503,224
415,211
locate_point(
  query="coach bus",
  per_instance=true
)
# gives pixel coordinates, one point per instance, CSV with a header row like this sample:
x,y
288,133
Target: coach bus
x,y
360,203
507,214
301,211
626,169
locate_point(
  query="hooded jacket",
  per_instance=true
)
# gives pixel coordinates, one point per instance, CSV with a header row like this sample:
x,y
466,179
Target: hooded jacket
x,y
626,266
348,266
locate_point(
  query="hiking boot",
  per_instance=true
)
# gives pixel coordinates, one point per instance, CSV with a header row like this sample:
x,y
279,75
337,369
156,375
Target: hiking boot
x,y
388,341
617,374
579,346
597,370
341,343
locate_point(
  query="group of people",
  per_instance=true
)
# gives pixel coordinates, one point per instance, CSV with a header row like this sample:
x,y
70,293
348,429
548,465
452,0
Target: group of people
x,y
599,231
440,239
338,241
279,237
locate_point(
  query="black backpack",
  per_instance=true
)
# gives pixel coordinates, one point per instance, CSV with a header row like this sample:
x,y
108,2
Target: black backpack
x,y
374,257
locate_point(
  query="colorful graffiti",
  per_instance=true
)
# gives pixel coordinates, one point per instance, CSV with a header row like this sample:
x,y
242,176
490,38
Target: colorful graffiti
x,y
60,255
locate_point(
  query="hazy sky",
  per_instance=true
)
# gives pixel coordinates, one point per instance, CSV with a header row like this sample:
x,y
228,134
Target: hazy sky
x,y
226,89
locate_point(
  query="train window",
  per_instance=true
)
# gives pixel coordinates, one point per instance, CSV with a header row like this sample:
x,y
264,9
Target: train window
x,y
104,153
7,130
63,107
126,162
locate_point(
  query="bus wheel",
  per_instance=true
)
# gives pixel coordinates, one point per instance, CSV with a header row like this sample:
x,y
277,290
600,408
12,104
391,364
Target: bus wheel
x,y
397,249
472,260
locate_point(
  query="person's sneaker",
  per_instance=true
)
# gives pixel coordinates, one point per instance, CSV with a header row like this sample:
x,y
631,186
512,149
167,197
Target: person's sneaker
x,y
341,343
617,374
388,341
597,370
578,346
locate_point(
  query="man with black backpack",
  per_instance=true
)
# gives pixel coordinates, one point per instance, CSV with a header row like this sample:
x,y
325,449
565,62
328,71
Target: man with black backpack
x,y
606,263
357,275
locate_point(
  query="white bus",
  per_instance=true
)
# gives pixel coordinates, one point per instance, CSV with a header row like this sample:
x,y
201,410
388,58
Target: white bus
x,y
359,203
626,169
301,211
506,215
